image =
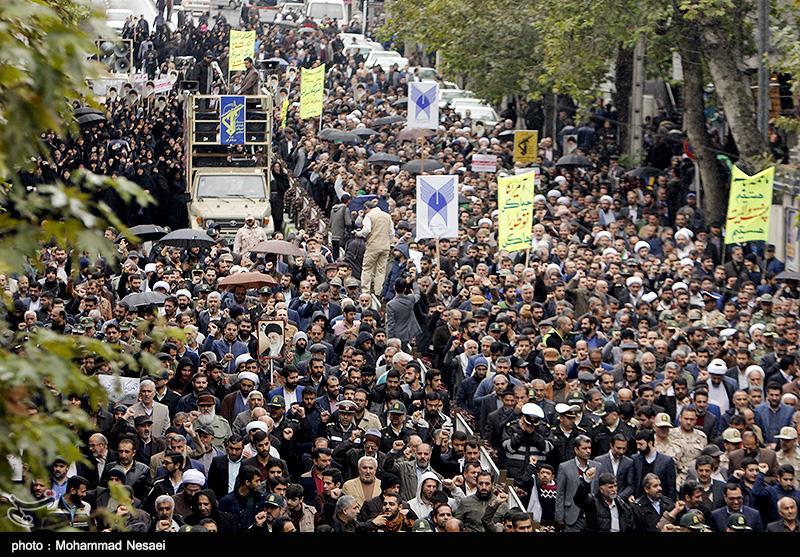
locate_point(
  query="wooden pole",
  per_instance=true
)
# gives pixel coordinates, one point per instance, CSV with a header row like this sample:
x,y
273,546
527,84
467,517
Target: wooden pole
x,y
438,255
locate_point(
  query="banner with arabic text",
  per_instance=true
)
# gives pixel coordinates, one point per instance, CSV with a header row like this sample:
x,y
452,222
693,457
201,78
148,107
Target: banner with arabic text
x,y
242,44
312,91
749,206
515,202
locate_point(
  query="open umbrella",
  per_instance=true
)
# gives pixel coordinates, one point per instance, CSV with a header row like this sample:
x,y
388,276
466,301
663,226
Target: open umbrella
x,y
573,160
278,247
383,158
326,132
143,299
410,134
144,232
506,133
248,280
286,23
402,101
344,137
364,132
643,172
788,275
387,120
83,110
187,238
421,166
90,119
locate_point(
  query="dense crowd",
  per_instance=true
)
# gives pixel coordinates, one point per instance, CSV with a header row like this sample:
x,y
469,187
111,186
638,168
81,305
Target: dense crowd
x,y
628,373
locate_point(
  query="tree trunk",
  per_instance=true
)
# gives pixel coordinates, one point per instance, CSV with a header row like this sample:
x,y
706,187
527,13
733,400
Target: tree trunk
x,y
733,89
712,180
623,85
520,124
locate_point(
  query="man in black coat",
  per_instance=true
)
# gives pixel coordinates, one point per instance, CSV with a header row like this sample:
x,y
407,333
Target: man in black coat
x,y
648,509
224,469
615,462
606,511
610,426
649,460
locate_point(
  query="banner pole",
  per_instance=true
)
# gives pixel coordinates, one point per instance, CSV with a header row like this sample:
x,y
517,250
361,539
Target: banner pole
x,y
438,255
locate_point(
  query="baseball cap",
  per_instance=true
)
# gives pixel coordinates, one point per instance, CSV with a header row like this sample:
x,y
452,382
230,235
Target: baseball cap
x,y
732,435
662,420
141,420
788,433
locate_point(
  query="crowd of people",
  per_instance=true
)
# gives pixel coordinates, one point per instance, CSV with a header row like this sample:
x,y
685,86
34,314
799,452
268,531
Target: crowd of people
x,y
627,372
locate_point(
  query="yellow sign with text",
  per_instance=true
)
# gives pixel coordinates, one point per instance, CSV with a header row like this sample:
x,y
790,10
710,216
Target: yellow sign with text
x,y
526,146
749,206
515,201
242,44
312,91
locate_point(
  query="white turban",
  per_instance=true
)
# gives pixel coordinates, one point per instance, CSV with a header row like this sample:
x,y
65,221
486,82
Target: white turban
x,y
633,280
639,245
247,374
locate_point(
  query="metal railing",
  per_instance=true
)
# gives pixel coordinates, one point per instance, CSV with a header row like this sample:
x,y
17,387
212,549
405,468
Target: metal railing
x,y
487,463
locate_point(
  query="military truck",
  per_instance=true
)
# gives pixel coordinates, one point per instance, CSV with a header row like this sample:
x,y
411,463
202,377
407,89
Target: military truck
x,y
226,182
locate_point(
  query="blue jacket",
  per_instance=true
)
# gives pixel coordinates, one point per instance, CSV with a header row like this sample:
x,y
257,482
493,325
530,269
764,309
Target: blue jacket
x,y
782,418
719,519
772,494
222,347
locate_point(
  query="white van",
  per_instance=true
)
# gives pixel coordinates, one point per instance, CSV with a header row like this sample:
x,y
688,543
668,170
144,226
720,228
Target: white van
x,y
318,10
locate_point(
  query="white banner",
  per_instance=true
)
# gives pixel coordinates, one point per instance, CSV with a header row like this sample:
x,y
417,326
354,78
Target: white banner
x,y
423,105
484,163
437,207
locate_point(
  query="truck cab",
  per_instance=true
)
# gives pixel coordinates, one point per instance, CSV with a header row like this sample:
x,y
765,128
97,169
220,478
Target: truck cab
x,y
227,182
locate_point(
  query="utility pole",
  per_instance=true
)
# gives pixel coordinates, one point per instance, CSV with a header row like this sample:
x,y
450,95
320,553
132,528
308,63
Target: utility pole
x,y
762,42
364,23
636,120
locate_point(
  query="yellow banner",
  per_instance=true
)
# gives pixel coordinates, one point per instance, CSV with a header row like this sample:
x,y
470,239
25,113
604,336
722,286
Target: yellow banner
x,y
515,202
242,44
312,91
284,112
526,146
749,206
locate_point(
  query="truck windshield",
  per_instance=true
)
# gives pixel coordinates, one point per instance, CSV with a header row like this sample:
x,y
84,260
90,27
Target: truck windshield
x,y
321,10
250,186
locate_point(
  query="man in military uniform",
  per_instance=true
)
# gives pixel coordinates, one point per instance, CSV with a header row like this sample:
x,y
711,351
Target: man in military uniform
x,y
789,453
344,427
764,315
563,434
397,429
688,440
662,425
583,419
712,317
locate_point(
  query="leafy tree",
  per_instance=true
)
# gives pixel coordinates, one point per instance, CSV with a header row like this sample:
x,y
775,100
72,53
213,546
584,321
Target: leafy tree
x,y
43,69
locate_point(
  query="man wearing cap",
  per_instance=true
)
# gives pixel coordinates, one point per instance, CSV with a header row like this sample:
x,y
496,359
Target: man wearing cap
x,y
563,434
378,230
528,435
146,406
148,444
248,236
343,427
789,452
764,315
206,415
603,433
688,440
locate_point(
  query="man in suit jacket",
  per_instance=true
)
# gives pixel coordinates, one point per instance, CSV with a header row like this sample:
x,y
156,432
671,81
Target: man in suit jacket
x,y
99,455
733,504
615,462
772,415
751,449
649,460
147,406
787,508
650,507
400,319
569,516
366,486
224,469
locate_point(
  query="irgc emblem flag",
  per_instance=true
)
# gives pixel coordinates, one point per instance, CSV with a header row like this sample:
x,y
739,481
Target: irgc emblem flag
x,y
749,206
312,89
423,105
437,207
242,44
515,202
232,120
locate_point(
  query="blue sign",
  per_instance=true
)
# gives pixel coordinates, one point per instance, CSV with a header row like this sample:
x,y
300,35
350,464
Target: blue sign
x,y
232,120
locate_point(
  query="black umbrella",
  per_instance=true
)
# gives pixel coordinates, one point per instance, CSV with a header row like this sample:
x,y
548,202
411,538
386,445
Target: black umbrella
x,y
573,160
643,172
343,137
86,110
364,132
90,118
402,101
144,232
383,158
420,166
143,299
788,275
387,120
187,238
326,132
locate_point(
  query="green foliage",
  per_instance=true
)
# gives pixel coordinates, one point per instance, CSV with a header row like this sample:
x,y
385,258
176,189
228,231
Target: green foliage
x,y
43,68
